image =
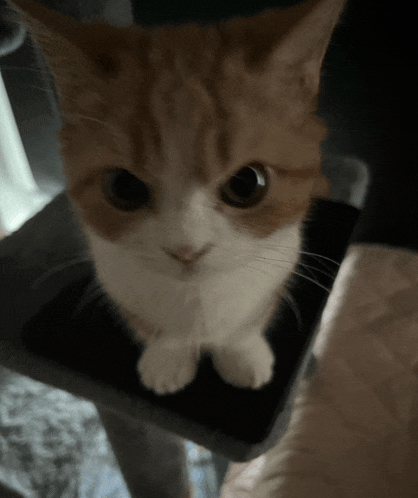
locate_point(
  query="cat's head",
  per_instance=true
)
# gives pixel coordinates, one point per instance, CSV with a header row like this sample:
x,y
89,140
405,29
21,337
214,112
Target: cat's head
x,y
188,148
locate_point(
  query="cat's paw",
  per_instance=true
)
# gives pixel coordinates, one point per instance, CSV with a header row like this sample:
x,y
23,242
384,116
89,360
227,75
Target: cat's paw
x,y
165,370
247,366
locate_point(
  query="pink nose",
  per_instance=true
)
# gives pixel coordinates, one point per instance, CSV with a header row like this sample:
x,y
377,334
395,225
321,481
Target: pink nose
x,y
186,255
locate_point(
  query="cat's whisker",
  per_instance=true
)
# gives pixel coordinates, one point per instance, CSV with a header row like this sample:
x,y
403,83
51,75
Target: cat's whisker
x,y
52,93
59,268
36,87
299,274
287,296
246,256
22,68
312,281
43,89
291,249
329,275
304,265
248,260
328,268
95,120
97,299
320,256
92,293
314,268
85,117
278,247
292,303
258,270
55,93
282,267
40,71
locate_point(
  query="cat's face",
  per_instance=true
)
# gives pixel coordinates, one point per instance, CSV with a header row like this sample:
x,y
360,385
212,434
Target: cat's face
x,y
192,176
188,149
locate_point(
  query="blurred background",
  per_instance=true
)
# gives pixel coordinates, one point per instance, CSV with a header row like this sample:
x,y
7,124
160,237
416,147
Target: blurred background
x,y
31,175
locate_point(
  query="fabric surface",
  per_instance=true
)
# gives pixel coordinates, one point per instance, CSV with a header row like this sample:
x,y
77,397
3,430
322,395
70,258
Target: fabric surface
x,y
354,430
53,445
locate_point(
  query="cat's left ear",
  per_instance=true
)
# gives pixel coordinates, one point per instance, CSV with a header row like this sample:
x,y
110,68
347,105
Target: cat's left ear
x,y
310,29
281,39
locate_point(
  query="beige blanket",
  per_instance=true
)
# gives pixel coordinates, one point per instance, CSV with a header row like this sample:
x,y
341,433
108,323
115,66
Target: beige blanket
x,y
354,431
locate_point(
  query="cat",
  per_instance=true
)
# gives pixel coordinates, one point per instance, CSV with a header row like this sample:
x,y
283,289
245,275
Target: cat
x,y
192,155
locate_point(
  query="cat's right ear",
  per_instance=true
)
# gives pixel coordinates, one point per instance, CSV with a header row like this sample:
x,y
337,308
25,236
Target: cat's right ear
x,y
55,33
73,49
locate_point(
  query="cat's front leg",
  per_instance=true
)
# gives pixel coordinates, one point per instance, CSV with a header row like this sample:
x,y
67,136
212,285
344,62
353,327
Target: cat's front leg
x,y
166,368
247,364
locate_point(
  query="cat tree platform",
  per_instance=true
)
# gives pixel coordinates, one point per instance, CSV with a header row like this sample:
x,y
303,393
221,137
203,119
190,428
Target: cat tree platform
x,y
51,332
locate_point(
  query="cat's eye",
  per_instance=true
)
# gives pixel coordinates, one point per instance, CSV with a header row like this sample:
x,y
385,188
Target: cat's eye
x,y
124,190
247,187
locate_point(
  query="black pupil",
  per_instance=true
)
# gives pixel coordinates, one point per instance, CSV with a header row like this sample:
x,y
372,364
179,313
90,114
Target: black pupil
x,y
245,182
247,187
127,191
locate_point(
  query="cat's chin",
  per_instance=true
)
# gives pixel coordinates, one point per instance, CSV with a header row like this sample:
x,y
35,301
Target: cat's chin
x,y
187,275
194,274
190,275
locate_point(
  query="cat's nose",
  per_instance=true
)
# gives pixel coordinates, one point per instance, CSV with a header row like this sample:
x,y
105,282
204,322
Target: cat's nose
x,y
186,254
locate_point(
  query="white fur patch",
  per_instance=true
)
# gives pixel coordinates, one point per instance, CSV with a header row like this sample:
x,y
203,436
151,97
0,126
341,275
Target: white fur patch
x,y
230,286
222,302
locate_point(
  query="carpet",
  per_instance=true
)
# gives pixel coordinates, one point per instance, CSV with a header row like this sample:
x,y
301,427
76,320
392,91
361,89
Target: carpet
x,y
52,445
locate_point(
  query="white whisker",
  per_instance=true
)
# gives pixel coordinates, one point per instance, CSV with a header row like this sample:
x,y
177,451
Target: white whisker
x,y
329,275
304,265
59,268
259,270
20,68
92,293
291,248
312,280
320,256
296,273
289,298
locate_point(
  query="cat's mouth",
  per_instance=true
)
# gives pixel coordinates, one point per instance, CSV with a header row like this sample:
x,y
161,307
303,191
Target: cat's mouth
x,y
189,272
177,271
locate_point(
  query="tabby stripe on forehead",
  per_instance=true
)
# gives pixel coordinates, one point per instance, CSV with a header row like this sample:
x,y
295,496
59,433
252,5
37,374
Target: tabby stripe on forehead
x,y
222,145
209,160
145,122
222,118
200,155
213,85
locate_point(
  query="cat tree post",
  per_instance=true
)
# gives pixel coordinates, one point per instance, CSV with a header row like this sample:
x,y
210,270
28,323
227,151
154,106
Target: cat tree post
x,y
152,460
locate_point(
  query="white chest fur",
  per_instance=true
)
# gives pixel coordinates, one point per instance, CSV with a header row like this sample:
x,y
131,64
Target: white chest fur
x,y
207,311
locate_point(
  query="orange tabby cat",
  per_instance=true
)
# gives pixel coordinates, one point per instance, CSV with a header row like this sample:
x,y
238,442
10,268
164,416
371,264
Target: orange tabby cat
x,y
192,154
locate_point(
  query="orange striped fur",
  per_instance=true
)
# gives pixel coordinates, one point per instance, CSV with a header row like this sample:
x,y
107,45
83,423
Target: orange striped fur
x,y
183,109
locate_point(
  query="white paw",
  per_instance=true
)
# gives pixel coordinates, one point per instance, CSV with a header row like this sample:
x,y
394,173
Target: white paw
x,y
249,365
165,370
